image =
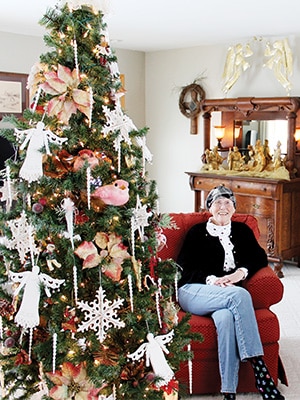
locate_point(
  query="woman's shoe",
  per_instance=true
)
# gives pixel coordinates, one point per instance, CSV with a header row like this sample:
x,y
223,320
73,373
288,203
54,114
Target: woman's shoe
x,y
229,396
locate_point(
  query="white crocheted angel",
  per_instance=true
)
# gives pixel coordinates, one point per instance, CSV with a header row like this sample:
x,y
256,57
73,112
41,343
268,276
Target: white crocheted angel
x,y
154,350
31,281
38,138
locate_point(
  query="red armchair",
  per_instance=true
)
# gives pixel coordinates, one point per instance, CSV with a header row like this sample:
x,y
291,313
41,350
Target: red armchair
x,y
266,289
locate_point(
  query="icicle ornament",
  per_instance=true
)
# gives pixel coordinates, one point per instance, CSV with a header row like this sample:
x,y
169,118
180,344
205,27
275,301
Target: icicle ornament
x,y
36,100
75,283
130,291
9,191
74,44
88,186
190,367
91,106
69,208
54,338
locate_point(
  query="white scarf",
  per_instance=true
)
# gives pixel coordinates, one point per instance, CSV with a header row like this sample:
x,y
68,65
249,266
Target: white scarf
x,y
223,233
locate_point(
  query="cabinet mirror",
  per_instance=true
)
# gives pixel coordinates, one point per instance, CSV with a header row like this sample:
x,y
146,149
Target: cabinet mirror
x,y
272,118
246,133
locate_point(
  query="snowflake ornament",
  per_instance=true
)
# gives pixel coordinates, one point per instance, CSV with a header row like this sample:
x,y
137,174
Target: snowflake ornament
x,y
118,121
23,240
100,315
139,219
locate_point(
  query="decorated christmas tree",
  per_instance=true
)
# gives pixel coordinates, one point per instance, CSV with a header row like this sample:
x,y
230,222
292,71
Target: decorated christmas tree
x,y
88,309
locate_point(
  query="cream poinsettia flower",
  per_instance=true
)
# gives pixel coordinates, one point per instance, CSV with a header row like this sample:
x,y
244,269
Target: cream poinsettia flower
x,y
72,382
36,77
112,254
63,85
111,257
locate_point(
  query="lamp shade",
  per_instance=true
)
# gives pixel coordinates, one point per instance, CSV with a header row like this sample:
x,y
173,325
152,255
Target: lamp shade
x,y
219,131
237,131
297,134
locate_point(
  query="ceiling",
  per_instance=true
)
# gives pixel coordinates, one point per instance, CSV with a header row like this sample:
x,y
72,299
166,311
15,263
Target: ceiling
x,y
154,25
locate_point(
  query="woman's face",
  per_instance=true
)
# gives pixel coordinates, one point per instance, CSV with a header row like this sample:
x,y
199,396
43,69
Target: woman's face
x,y
222,210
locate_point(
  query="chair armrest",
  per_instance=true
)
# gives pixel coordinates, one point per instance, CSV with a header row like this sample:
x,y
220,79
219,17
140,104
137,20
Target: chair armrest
x,y
265,288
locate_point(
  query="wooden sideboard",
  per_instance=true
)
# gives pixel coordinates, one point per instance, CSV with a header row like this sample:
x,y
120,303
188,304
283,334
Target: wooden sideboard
x,y
275,204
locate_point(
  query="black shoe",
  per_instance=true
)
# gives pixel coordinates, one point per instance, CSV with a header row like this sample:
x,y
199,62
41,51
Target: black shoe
x,y
229,396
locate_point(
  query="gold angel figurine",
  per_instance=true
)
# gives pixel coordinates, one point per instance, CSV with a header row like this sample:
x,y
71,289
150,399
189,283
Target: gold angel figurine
x,y
280,61
235,64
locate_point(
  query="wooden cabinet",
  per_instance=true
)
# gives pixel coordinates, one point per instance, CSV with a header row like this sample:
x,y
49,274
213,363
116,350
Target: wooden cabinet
x,y
275,204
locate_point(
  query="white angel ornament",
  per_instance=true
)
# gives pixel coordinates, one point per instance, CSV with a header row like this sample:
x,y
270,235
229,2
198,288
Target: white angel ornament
x,y
235,64
280,61
38,138
31,281
154,350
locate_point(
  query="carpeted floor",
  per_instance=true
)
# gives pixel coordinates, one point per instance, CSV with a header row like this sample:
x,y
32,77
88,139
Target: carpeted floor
x,y
288,312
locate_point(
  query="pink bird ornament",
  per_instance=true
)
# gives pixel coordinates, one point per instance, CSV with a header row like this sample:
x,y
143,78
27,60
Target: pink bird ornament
x,y
114,194
85,156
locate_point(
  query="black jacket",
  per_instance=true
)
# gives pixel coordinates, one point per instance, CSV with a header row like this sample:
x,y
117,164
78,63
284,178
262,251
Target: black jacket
x,y
202,255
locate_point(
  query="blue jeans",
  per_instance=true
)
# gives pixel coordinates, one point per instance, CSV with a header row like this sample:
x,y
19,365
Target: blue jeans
x,y
232,311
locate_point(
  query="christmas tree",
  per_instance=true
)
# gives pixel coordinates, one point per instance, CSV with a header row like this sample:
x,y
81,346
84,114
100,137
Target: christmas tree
x,y
88,309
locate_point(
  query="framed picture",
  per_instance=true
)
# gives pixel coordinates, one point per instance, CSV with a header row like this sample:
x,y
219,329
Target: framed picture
x,y
14,97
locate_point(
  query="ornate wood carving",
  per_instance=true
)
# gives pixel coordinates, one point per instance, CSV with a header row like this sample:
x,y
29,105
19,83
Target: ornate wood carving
x,y
266,108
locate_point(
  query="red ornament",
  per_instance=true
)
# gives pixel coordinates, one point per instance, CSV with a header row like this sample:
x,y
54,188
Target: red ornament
x,y
37,208
81,218
6,308
43,201
22,358
9,342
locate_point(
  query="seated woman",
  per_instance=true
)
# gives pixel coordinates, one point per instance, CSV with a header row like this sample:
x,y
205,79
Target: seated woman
x,y
215,257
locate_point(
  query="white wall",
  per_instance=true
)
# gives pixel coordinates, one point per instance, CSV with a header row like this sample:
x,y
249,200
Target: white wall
x,y
153,82
175,149
20,52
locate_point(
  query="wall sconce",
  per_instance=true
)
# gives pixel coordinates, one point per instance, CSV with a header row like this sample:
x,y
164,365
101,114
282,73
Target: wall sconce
x,y
297,138
237,131
219,133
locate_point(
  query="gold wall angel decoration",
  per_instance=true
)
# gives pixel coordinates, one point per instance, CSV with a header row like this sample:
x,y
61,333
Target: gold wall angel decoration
x,y
280,61
235,64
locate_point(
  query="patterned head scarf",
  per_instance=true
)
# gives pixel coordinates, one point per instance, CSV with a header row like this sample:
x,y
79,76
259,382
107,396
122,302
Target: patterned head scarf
x,y
217,192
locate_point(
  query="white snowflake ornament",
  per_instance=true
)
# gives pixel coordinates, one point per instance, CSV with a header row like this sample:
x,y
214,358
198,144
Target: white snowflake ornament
x,y
118,121
140,217
22,240
100,315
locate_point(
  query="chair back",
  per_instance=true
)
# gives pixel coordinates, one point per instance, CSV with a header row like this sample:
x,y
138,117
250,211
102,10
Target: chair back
x,y
184,221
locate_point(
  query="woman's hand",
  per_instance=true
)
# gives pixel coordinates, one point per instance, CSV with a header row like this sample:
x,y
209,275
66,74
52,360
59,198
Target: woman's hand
x,y
231,279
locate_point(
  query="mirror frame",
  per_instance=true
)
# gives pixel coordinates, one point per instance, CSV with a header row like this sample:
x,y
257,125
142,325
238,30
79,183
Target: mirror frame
x,y
254,108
